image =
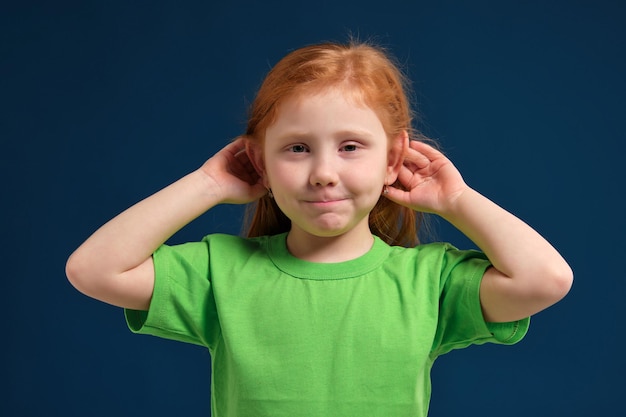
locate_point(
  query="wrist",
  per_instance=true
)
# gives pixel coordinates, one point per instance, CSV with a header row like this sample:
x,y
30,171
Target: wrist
x,y
457,201
206,187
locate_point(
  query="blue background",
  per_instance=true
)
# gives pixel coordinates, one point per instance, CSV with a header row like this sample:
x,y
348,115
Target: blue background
x,y
103,103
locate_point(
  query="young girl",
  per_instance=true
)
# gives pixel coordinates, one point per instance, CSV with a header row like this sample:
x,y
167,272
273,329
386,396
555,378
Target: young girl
x,y
330,306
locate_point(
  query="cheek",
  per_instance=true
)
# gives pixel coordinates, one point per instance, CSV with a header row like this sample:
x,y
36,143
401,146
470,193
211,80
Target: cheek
x,y
368,177
280,176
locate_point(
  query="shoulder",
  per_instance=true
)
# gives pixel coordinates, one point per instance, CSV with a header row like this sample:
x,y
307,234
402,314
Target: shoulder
x,y
220,242
439,260
437,253
199,254
236,245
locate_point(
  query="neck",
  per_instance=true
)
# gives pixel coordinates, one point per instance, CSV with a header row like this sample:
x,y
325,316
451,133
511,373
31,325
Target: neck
x,y
329,249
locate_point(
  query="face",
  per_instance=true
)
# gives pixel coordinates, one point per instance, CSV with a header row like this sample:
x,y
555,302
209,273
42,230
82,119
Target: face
x,y
326,159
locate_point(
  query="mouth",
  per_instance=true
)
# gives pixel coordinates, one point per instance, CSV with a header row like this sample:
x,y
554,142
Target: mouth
x,y
325,202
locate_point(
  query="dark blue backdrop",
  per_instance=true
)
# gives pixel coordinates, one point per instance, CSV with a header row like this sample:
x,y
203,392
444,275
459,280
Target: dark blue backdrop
x,y
103,103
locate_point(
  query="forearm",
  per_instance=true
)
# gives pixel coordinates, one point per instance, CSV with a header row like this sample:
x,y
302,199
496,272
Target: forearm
x,y
511,245
130,238
528,273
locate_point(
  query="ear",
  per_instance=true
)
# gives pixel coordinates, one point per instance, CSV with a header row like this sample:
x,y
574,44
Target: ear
x,y
254,150
397,150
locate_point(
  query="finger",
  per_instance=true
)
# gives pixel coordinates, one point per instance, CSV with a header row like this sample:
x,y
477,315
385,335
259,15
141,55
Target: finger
x,y
415,157
405,174
234,148
408,178
242,168
397,196
244,159
238,160
425,149
237,157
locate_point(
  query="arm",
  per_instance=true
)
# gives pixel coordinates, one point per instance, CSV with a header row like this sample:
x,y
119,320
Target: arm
x,y
528,274
114,265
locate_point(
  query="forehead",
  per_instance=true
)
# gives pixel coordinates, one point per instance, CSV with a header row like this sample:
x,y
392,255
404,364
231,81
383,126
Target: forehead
x,y
346,91
331,96
324,112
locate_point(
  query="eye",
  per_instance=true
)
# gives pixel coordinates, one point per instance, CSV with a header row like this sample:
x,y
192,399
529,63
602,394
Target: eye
x,y
351,147
297,148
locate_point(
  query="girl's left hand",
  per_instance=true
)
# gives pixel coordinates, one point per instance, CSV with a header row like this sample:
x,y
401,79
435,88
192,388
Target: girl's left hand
x,y
432,182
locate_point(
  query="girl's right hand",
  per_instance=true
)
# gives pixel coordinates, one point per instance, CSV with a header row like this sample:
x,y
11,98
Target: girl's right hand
x,y
232,176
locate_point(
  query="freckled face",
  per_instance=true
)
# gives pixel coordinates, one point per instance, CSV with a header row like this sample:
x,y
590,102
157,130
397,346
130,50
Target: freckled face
x,y
326,161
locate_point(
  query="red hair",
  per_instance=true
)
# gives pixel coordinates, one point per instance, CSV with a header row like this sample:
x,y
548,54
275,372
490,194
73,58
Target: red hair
x,y
370,75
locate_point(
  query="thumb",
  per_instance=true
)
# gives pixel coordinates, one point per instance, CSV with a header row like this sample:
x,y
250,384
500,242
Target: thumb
x,y
396,195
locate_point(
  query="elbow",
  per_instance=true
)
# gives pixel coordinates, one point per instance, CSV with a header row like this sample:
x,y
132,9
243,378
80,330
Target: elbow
x,y
517,297
558,282
73,271
78,274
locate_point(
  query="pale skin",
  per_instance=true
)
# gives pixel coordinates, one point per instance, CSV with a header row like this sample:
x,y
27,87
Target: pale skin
x,y
114,265
528,274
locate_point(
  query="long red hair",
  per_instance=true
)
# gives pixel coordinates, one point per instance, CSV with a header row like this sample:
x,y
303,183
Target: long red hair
x,y
372,76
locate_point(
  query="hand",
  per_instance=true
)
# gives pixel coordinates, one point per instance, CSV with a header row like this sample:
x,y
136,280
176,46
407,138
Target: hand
x,y
432,182
231,171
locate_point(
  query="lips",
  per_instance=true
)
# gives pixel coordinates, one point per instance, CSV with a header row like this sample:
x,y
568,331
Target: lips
x,y
323,200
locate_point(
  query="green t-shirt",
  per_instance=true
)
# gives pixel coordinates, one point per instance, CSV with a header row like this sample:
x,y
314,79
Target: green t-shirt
x,y
291,338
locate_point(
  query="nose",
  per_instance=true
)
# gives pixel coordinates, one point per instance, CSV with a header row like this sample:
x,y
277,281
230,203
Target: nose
x,y
323,172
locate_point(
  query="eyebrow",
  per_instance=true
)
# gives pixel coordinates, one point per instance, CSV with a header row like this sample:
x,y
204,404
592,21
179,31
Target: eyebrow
x,y
346,133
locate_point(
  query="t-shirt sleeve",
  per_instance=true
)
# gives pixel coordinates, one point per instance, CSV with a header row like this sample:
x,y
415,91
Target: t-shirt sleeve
x,y
461,321
182,306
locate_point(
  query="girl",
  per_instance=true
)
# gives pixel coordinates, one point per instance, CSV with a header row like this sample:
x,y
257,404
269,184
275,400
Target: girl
x,y
330,306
